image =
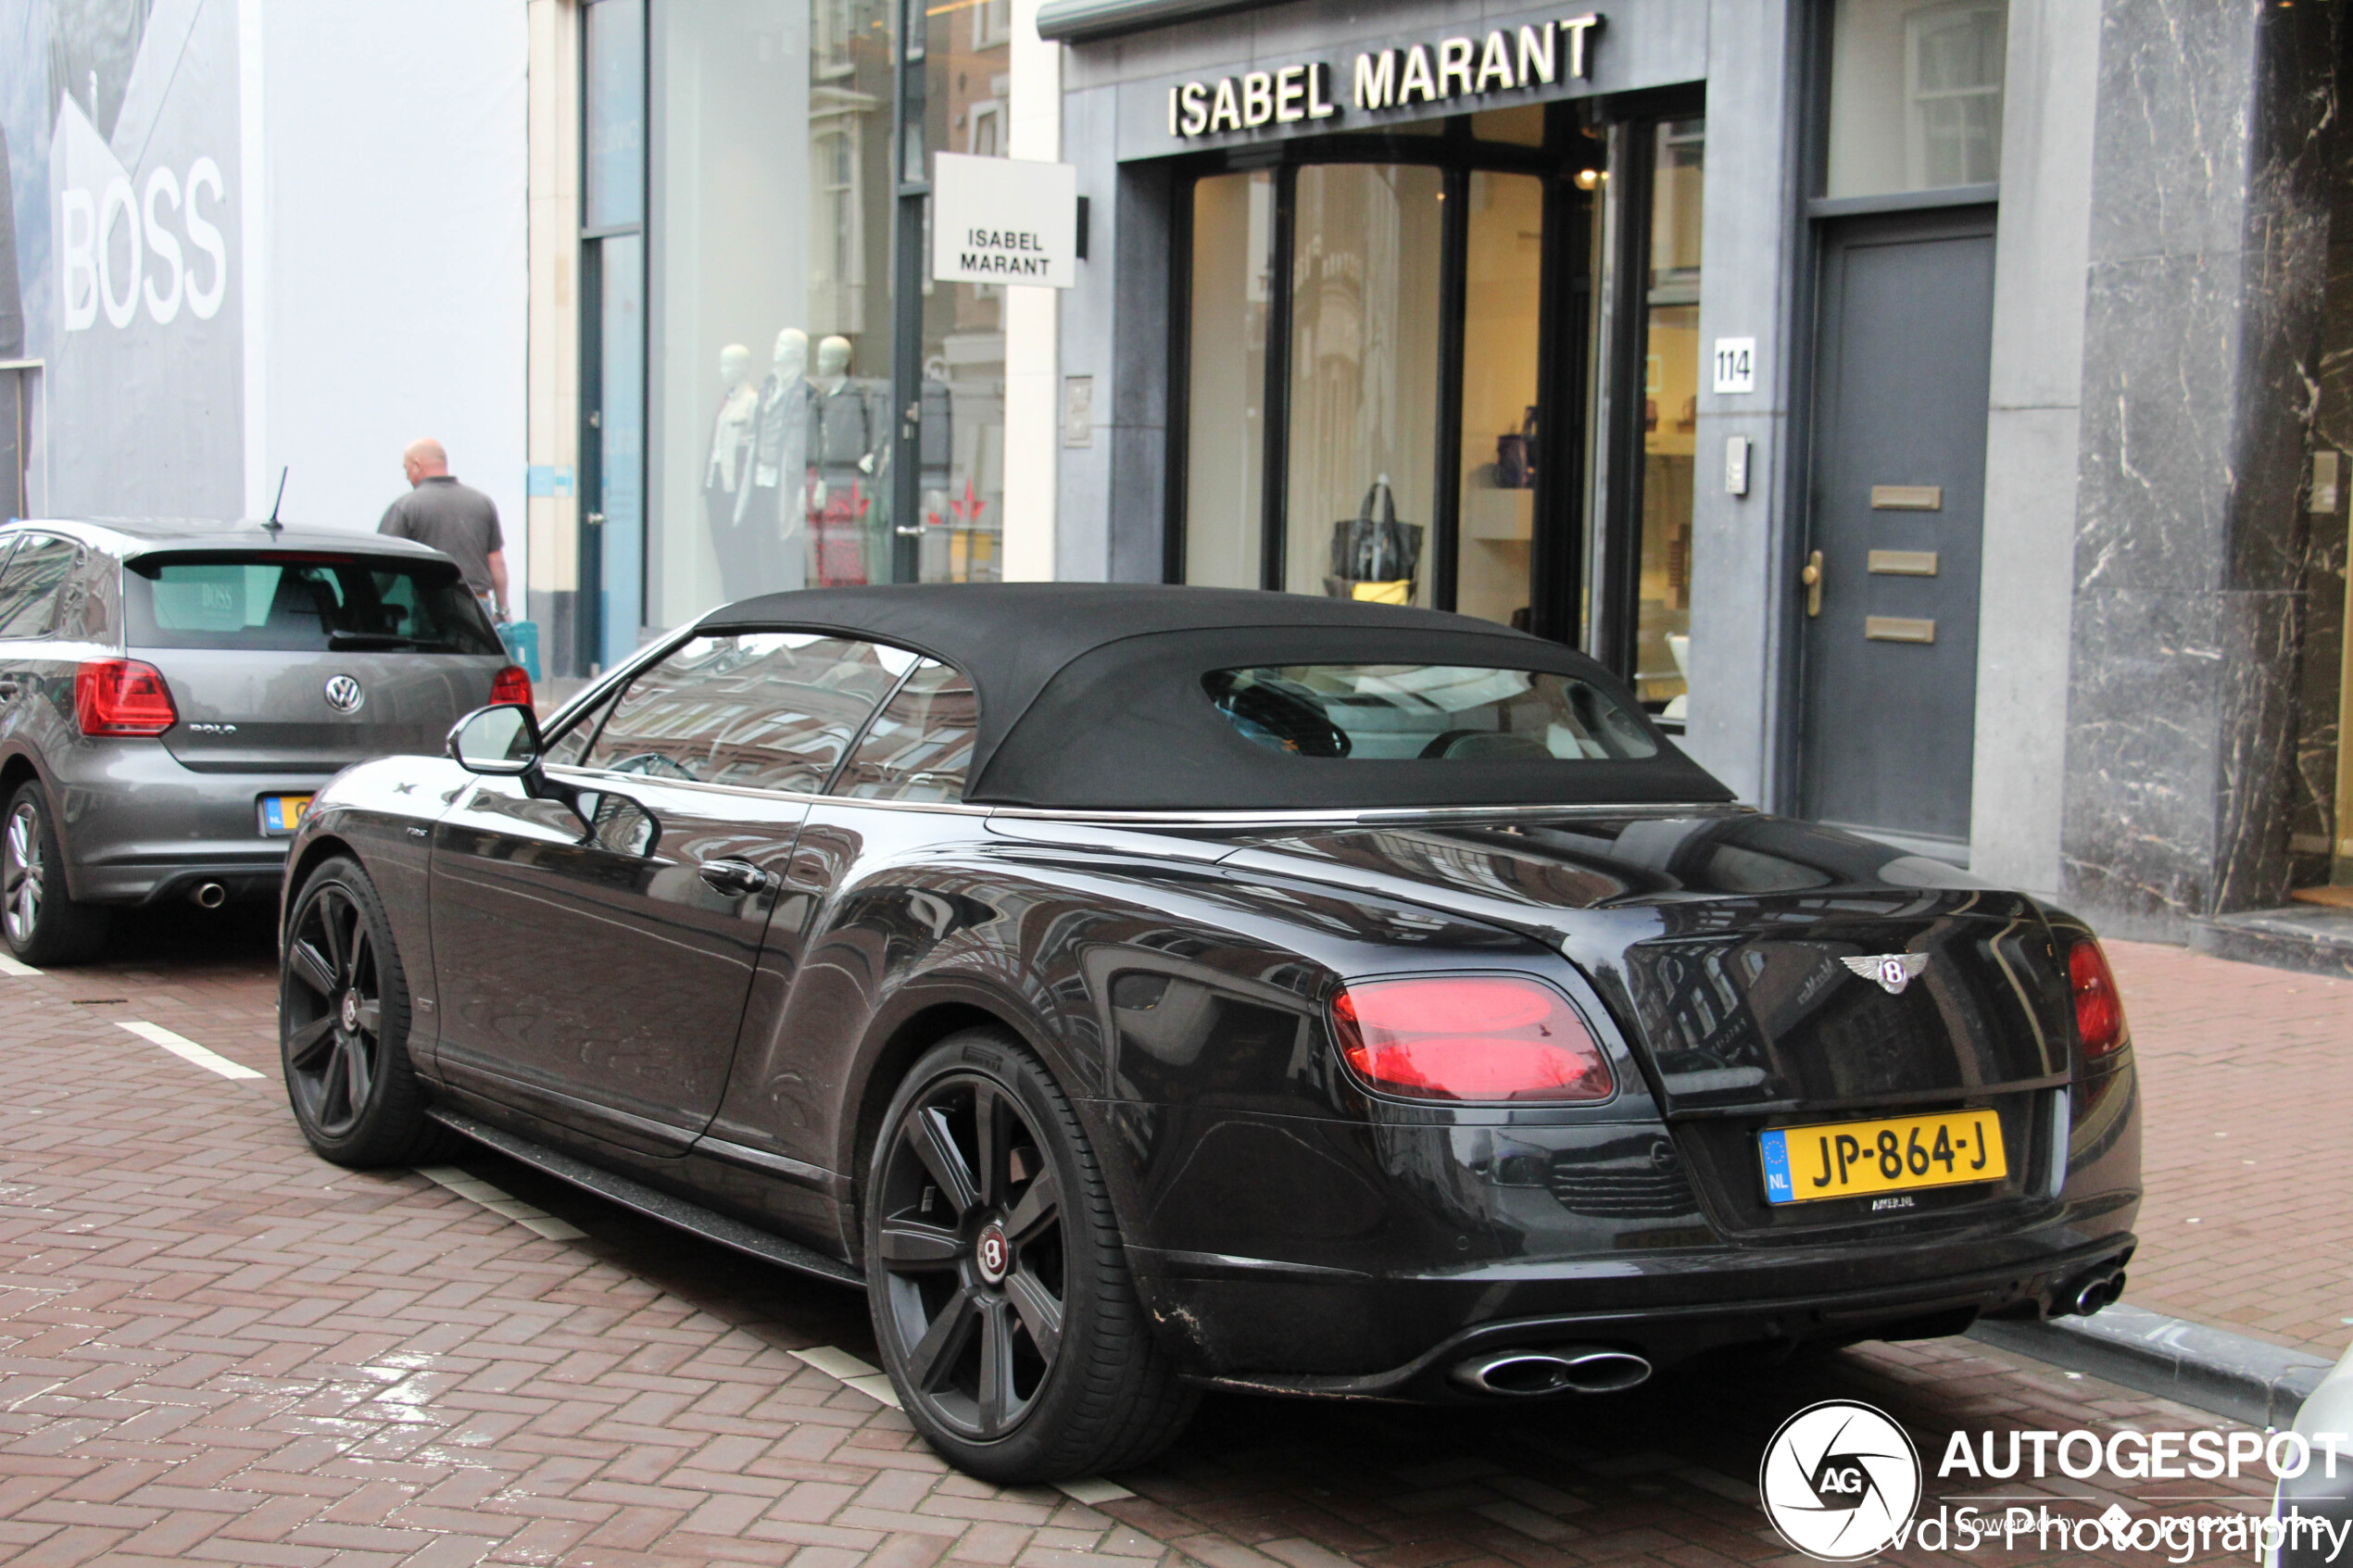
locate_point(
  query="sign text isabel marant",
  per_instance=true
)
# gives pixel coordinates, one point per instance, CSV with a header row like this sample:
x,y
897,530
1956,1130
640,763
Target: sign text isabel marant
x,y
1452,68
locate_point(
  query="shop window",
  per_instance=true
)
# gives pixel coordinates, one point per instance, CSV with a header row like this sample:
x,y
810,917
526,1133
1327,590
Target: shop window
x,y
1363,380
1233,224
960,490
772,203
1670,416
1502,329
1915,94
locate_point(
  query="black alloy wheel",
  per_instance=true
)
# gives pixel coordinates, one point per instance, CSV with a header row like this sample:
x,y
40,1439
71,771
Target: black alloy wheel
x,y
343,1026
999,1291
42,923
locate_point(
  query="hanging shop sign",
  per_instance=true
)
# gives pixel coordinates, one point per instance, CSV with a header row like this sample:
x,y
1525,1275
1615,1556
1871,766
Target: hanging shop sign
x,y
1003,221
1458,69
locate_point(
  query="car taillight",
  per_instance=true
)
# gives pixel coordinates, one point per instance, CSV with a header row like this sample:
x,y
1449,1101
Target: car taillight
x,y
2099,1012
511,685
121,697
1469,1038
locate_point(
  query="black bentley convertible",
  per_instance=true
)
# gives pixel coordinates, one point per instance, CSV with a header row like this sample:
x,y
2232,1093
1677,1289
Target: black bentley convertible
x,y
1136,990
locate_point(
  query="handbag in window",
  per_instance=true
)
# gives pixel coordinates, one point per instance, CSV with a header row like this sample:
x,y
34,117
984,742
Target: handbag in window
x,y
1374,558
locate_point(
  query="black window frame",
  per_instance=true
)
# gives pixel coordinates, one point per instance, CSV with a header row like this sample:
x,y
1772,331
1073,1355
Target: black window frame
x,y
1557,547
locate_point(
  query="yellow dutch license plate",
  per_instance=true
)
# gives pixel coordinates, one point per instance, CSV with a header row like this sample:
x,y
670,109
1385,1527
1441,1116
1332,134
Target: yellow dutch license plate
x,y
283,813
1898,1154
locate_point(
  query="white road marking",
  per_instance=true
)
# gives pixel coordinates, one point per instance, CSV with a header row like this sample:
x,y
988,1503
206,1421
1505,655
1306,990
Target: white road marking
x,y
1092,1489
187,1050
850,1372
18,968
475,1190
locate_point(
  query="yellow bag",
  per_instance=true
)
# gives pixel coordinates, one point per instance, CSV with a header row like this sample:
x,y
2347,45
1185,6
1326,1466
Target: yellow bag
x,y
1398,593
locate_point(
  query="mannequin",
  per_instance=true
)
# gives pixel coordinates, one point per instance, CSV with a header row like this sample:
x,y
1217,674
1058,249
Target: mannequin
x,y
842,445
770,505
724,476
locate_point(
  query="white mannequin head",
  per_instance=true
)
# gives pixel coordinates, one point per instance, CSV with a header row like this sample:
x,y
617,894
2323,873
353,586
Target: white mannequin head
x,y
833,358
734,366
790,357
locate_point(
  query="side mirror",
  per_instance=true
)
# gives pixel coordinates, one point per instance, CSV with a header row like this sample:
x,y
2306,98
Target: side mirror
x,y
501,740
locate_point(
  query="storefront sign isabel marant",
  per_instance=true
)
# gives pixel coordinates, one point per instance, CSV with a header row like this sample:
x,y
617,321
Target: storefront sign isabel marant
x,y
1418,76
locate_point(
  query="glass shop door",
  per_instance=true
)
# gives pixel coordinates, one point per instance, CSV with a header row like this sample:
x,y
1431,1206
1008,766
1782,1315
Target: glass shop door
x,y
1376,330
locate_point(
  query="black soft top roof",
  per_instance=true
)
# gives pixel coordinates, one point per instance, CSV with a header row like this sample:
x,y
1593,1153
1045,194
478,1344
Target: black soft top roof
x,y
1091,697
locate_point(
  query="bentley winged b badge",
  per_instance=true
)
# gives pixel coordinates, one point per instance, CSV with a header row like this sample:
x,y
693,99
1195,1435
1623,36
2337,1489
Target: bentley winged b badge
x,y
1893,971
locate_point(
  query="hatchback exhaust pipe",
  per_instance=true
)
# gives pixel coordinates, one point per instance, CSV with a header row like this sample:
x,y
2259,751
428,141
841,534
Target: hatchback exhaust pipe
x,y
1564,1369
207,895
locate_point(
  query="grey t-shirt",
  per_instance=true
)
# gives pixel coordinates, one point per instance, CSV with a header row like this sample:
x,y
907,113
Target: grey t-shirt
x,y
457,519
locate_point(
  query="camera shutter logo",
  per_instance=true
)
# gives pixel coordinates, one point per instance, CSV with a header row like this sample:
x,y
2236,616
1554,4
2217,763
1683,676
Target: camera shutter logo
x,y
343,695
1839,1480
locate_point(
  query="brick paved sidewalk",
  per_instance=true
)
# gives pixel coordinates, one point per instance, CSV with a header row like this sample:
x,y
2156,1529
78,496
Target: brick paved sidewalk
x,y
2246,1075
214,1348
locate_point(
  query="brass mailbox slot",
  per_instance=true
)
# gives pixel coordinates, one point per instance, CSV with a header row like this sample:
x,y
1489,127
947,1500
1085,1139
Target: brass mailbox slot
x,y
1904,563
1899,629
1907,497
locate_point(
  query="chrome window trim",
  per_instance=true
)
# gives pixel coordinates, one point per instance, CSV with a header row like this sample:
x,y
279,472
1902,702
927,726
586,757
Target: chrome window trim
x,y
1377,816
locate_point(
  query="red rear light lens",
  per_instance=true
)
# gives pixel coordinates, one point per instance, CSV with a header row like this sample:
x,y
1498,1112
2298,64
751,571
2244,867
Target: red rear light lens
x,y
2099,1012
511,685
1483,1037
121,697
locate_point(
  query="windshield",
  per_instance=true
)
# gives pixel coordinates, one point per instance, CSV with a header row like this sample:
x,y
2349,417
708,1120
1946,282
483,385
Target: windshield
x,y
303,603
1431,712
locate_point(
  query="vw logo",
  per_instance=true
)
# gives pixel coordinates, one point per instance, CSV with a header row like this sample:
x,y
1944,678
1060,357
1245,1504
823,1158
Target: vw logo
x,y
343,695
1839,1480
993,1253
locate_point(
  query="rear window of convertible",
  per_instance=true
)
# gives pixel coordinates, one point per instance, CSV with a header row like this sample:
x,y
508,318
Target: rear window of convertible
x,y
1433,713
302,602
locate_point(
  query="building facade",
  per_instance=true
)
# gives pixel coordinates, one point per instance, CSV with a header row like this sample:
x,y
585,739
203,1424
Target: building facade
x,y
1935,408
252,241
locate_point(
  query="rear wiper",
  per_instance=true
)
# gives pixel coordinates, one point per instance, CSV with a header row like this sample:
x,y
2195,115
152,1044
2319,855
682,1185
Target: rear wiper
x,y
371,640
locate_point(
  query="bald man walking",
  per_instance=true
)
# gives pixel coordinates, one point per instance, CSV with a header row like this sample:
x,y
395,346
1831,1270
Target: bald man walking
x,y
457,519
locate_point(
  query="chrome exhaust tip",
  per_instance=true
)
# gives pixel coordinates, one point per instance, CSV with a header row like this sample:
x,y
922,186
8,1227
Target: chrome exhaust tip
x,y
207,895
2089,1295
1565,1369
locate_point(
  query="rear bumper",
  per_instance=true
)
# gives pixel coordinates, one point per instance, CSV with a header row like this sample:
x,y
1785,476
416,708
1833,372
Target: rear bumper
x,y
139,827
1308,1295
1663,1334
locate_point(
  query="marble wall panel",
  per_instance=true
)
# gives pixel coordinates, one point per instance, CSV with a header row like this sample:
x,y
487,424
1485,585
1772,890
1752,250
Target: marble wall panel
x,y
2209,246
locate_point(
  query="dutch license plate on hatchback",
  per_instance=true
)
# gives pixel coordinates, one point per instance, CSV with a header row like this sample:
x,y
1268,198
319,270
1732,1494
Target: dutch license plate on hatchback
x,y
280,814
1897,1154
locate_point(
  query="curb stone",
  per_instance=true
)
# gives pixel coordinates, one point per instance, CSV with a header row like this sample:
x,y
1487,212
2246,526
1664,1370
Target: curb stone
x,y
2212,1369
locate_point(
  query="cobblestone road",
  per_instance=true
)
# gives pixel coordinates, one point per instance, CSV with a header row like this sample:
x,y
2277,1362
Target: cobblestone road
x,y
216,1348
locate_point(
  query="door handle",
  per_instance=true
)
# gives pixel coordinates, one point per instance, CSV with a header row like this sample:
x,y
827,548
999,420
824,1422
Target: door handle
x,y
1812,578
736,878
594,520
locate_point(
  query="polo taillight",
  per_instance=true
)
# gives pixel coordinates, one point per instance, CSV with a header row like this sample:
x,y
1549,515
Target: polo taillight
x,y
511,685
2099,1012
121,697
1469,1038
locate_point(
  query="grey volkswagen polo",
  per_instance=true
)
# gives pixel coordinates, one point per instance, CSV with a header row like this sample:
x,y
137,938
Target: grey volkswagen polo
x,y
172,694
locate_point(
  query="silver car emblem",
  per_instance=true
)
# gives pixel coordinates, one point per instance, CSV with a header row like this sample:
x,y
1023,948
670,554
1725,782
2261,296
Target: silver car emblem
x,y
343,695
1893,971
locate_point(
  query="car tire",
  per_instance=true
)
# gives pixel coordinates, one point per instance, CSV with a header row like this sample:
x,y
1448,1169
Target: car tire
x,y
41,921
1081,1387
343,1027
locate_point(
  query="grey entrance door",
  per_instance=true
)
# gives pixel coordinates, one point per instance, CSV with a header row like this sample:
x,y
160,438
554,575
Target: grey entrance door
x,y
1890,645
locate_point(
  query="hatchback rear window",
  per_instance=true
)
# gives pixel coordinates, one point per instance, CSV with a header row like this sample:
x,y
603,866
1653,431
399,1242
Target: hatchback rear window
x,y
304,603
1433,713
